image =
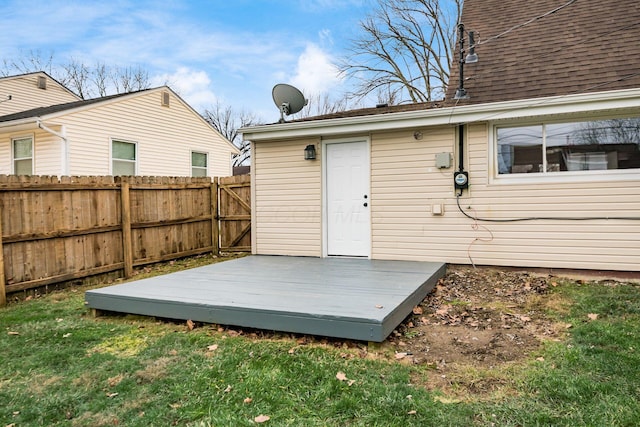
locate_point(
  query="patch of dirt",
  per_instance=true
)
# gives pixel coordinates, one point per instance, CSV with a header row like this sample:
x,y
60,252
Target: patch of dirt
x,y
467,337
474,325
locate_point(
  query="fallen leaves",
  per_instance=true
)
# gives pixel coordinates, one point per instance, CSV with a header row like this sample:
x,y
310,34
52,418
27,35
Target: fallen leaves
x,y
341,376
13,333
191,325
592,316
212,347
261,419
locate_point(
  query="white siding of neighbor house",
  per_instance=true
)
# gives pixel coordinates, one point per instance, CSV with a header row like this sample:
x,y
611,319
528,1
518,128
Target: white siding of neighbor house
x,y
47,154
406,185
25,93
165,137
288,199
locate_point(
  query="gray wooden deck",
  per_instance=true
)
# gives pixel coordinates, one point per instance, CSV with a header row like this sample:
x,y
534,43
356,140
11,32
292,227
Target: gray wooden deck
x,y
346,298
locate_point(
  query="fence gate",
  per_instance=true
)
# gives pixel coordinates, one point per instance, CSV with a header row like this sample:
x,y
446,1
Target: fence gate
x,y
234,195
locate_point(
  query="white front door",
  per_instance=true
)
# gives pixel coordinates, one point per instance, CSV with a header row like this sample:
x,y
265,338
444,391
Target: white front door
x,y
348,202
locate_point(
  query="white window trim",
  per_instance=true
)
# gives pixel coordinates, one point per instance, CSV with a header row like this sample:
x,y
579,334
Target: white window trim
x,y
135,143
612,175
33,153
206,153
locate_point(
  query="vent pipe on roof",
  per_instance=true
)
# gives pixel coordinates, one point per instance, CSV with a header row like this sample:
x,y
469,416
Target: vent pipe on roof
x,y
471,58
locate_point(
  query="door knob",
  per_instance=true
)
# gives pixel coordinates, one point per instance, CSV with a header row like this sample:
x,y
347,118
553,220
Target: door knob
x,y
365,204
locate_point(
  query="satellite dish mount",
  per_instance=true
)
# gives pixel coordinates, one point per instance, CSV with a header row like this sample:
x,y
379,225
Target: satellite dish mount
x,y
288,99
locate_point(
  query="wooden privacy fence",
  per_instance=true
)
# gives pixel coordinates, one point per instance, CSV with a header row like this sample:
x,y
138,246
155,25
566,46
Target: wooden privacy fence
x,y
56,230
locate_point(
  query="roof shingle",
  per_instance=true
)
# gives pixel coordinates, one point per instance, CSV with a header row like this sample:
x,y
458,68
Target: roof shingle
x,y
527,52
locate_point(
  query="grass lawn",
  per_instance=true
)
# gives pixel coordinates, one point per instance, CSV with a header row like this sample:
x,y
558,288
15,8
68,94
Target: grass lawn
x,y
61,366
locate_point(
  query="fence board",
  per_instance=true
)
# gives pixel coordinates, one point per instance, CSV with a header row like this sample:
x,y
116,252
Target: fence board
x,y
56,229
235,213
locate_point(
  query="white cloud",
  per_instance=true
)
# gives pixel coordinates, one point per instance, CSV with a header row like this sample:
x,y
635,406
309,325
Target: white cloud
x,y
192,85
315,72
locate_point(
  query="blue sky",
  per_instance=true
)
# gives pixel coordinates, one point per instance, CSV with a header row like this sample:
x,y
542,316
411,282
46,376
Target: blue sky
x,y
233,51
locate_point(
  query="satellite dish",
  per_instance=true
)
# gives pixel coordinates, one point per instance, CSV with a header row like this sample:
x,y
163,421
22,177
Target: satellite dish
x,y
288,99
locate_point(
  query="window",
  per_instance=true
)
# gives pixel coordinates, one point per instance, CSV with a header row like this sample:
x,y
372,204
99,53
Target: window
x,y
198,163
567,147
123,158
22,156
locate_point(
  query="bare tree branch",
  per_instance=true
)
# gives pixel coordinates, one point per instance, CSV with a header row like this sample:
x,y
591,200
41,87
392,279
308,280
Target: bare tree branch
x,y
228,122
77,78
100,78
405,50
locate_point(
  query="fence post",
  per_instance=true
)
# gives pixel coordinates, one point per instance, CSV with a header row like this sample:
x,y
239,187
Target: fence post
x,y
3,290
126,228
215,224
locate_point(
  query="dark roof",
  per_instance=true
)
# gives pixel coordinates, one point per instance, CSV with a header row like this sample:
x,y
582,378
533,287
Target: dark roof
x,y
528,51
42,111
383,109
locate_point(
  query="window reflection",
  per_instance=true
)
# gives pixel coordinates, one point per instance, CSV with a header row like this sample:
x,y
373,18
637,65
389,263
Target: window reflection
x,y
579,146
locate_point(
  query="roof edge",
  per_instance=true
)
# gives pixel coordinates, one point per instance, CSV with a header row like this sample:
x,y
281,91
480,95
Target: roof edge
x,y
627,98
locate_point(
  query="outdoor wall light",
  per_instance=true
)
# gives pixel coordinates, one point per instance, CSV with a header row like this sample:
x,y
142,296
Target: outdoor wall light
x,y
310,152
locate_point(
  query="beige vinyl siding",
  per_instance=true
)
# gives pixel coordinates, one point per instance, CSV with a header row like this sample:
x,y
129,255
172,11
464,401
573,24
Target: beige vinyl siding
x,y
26,95
5,154
405,184
165,137
288,199
596,244
47,154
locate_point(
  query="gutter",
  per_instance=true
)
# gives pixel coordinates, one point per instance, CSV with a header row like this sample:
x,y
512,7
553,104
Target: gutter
x,y
580,103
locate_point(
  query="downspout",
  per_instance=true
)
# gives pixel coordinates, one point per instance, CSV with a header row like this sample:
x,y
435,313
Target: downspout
x,y
65,145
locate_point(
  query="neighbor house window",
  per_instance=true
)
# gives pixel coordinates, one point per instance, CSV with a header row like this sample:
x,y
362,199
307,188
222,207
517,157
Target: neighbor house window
x,y
567,147
199,163
22,149
123,158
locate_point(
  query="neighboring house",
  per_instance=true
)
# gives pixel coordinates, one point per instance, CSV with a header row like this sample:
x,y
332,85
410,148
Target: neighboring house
x,y
550,139
150,132
32,90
